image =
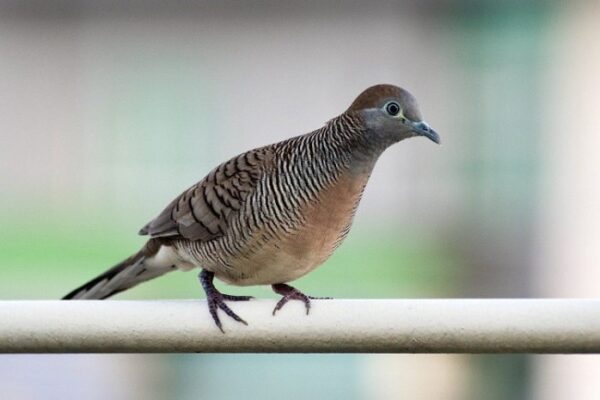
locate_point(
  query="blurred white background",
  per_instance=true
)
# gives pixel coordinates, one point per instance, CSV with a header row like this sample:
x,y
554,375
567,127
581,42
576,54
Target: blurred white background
x,y
108,110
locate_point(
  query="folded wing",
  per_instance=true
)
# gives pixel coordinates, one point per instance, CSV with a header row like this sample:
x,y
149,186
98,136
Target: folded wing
x,y
204,211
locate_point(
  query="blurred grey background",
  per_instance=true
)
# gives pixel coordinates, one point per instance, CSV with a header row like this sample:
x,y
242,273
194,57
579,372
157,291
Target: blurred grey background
x,y
110,109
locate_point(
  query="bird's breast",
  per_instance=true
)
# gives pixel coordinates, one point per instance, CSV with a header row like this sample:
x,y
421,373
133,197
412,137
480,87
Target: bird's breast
x,y
326,222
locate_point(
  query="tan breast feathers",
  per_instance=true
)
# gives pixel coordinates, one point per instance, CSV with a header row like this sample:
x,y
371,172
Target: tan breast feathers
x,y
329,219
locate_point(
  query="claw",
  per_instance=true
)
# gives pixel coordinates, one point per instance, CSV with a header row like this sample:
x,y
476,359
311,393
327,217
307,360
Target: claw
x,y
290,293
216,300
236,298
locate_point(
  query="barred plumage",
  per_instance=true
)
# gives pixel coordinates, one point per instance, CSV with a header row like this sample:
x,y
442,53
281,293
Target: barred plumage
x,y
271,215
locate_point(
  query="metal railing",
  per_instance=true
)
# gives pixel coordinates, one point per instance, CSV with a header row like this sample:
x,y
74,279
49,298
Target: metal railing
x,y
382,326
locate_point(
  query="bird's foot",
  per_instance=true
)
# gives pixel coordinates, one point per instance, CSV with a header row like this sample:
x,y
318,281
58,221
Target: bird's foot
x,y
290,293
216,300
230,297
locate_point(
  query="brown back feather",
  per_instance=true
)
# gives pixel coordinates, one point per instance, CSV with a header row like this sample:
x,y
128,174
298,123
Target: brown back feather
x,y
204,210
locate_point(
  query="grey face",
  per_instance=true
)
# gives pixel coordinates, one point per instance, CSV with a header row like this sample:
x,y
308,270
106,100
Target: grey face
x,y
391,114
406,118
396,119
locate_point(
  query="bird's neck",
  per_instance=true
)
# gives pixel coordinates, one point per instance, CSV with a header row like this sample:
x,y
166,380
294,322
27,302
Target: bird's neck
x,y
344,142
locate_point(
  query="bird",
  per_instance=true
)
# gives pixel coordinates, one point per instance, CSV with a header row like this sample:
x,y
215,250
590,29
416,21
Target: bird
x,y
272,214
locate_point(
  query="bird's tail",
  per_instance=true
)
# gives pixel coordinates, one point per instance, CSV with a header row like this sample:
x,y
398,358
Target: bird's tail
x,y
140,267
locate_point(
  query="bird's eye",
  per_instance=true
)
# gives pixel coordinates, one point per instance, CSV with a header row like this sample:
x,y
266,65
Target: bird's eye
x,y
392,108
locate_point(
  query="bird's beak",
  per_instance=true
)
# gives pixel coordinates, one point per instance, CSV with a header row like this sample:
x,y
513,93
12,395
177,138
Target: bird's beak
x,y
421,128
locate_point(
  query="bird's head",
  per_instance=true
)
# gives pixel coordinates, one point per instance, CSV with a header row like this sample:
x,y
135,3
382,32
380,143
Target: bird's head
x,y
391,114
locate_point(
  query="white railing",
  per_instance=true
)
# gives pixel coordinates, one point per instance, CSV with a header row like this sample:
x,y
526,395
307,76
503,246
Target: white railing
x,y
383,326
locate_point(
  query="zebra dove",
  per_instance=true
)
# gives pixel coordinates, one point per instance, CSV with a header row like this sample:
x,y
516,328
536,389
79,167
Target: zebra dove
x,y
272,214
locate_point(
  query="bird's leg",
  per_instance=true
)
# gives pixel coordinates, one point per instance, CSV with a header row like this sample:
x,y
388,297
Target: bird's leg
x,y
290,293
217,299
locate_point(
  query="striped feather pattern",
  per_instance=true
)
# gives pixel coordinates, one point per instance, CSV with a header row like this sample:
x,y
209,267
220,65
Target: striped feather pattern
x,y
271,215
243,211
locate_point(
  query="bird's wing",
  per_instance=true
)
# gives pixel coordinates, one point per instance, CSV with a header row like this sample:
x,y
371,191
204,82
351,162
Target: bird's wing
x,y
203,212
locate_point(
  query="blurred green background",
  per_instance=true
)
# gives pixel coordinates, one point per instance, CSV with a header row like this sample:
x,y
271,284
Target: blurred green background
x,y
109,110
